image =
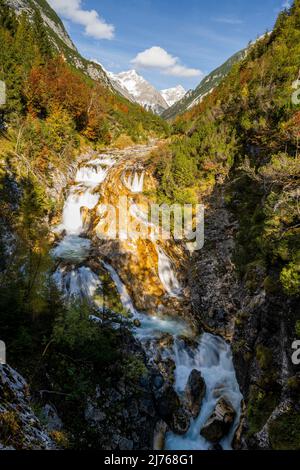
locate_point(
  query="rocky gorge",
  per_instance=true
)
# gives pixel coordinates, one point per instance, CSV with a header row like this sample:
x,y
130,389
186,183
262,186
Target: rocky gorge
x,y
182,380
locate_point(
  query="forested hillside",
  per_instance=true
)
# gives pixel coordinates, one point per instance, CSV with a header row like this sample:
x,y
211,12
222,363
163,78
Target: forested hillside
x,y
247,131
102,328
238,153
54,115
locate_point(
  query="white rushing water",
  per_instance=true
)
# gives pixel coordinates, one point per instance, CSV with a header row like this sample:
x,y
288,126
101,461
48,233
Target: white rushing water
x,y
123,293
72,248
82,194
151,326
135,182
80,283
91,176
213,359
167,275
72,220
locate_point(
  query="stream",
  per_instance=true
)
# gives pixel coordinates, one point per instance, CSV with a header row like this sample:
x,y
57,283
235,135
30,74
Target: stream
x,y
211,356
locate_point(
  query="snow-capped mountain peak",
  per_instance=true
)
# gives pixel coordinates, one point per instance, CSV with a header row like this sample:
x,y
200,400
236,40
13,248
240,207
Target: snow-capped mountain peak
x,y
172,95
135,88
142,91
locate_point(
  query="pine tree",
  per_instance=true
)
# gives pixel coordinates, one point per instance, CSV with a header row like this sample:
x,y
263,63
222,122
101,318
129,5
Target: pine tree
x,y
41,36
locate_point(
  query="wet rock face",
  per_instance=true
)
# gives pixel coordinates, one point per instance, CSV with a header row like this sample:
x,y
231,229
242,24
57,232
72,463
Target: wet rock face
x,y
195,392
170,409
167,402
19,427
220,422
159,435
181,422
213,280
244,312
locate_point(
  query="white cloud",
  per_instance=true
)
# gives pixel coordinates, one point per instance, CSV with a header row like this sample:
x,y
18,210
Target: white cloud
x,y
158,58
94,25
182,71
155,57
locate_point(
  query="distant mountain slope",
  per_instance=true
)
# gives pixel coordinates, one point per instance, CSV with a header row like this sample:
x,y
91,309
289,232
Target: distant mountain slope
x,y
173,95
141,91
60,38
206,86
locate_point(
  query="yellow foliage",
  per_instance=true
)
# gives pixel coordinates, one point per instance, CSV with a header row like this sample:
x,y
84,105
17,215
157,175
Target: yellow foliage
x,y
123,141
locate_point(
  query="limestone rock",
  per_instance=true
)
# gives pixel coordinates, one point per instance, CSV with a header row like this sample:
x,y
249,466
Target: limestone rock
x,y
195,392
220,422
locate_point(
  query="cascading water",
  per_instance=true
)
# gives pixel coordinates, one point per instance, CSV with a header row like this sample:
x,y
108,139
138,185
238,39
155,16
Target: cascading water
x,y
72,217
80,283
150,326
91,176
167,275
213,359
123,293
72,248
135,182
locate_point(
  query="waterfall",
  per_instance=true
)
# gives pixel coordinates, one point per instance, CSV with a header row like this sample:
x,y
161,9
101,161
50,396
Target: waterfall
x,y
72,221
151,325
123,293
167,275
91,175
81,283
213,358
82,195
211,355
72,248
135,182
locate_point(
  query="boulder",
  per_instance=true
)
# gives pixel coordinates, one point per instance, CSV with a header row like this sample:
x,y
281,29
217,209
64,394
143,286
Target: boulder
x,y
195,392
125,444
159,435
19,426
54,422
219,423
167,402
181,422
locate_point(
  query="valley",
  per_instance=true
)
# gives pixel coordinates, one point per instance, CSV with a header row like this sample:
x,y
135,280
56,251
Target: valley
x,y
119,336
149,292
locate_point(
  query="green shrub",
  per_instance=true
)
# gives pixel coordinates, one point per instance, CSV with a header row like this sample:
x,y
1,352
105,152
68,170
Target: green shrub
x,y
290,279
285,432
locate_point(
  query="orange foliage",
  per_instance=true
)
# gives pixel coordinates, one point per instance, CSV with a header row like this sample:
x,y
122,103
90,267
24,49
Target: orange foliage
x,y
55,85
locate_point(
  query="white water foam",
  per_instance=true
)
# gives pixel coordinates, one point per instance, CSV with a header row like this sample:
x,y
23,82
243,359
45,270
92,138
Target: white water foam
x,y
72,220
151,326
213,359
81,283
135,182
167,275
72,248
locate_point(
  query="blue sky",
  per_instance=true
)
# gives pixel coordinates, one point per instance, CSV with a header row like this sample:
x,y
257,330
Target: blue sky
x,y
169,42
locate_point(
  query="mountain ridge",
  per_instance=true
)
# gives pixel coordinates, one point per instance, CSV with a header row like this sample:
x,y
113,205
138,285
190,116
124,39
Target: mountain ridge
x,y
205,87
141,91
60,38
